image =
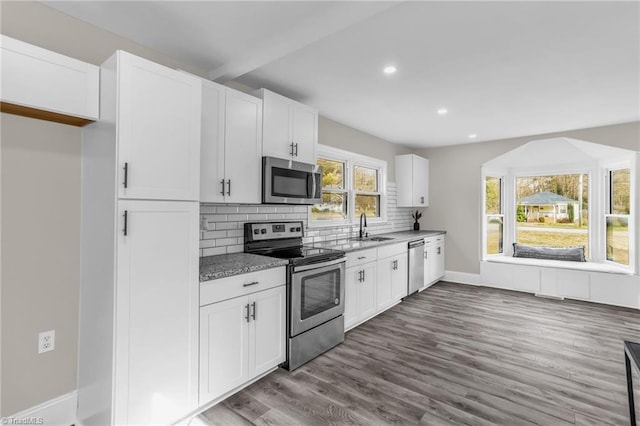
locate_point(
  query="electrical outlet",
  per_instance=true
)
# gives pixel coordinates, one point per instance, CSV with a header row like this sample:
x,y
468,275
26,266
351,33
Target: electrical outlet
x,y
46,341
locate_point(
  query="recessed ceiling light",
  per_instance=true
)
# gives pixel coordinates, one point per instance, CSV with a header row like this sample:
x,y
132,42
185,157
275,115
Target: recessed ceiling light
x,y
442,111
389,69
472,136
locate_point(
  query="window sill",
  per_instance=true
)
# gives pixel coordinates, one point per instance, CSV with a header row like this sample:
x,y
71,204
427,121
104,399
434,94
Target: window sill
x,y
561,264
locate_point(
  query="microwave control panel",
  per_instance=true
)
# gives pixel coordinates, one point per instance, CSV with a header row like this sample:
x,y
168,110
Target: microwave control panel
x,y
259,231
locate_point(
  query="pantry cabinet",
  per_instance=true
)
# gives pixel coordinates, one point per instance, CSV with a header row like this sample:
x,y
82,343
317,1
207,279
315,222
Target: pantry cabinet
x,y
240,339
39,83
158,131
231,149
138,337
156,311
289,128
412,181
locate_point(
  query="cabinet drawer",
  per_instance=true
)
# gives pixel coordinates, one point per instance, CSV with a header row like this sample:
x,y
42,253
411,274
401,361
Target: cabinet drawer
x,y
392,250
239,285
434,240
361,256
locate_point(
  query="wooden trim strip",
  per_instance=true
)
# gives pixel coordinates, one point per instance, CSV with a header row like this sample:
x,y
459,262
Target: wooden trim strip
x,y
39,114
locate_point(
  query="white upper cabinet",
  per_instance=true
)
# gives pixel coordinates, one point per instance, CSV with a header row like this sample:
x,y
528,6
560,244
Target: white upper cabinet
x,y
158,130
39,83
412,180
231,150
290,129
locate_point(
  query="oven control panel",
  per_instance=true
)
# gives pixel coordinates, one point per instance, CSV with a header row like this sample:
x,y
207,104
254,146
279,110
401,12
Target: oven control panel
x,y
259,231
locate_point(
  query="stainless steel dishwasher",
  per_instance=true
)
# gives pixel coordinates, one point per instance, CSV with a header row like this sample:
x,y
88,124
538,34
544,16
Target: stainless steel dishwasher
x,y
416,265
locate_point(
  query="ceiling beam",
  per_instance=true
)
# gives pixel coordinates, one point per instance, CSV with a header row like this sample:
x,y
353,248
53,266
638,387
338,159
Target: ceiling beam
x,y
339,16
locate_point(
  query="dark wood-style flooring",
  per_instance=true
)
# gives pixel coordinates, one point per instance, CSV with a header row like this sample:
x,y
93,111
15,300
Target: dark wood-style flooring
x,y
457,355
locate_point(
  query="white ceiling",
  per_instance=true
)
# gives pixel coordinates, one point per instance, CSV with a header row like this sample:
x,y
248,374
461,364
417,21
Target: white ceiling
x,y
502,69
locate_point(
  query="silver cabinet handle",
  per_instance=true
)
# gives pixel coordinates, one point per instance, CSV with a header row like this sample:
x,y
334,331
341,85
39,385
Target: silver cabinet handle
x,y
296,150
229,187
125,181
421,200
439,250
124,230
362,257
253,315
247,308
222,183
291,145
251,283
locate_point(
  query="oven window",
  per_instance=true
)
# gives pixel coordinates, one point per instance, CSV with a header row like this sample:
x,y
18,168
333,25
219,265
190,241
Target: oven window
x,y
319,293
288,183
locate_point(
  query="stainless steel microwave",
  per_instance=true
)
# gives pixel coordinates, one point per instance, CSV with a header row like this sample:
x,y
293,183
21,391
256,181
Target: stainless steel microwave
x,y
290,182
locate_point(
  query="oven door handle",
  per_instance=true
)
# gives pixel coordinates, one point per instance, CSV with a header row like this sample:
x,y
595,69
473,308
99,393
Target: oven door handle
x,y
318,265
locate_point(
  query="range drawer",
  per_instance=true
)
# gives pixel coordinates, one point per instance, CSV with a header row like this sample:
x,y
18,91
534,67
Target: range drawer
x,y
240,285
392,250
362,256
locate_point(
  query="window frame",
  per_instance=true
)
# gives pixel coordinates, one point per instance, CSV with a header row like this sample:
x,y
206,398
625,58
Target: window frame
x,y
631,217
351,159
485,216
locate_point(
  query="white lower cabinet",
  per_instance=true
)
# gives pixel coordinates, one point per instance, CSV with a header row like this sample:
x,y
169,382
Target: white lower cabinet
x,y
240,338
360,293
392,280
434,256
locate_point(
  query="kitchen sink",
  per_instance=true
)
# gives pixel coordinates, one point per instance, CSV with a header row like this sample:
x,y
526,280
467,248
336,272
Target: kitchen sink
x,y
374,239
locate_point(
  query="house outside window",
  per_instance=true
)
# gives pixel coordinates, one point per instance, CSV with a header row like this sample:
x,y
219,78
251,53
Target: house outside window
x,y
552,210
352,184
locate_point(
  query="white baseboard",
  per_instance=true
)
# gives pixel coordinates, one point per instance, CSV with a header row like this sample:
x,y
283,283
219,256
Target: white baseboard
x,y
462,278
60,411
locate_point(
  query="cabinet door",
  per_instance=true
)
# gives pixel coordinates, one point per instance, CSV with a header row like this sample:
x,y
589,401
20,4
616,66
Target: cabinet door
x,y
212,144
156,315
420,181
277,126
224,347
428,264
243,141
439,262
367,292
384,283
352,283
267,330
158,123
305,133
400,278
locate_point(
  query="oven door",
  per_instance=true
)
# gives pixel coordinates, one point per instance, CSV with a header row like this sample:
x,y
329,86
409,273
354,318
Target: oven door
x,y
316,295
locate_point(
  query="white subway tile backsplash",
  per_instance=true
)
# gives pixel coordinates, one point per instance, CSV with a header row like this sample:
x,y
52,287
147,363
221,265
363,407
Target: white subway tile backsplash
x,y
226,223
213,251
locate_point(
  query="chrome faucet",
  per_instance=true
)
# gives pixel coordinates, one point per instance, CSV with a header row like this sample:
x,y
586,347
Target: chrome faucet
x,y
362,233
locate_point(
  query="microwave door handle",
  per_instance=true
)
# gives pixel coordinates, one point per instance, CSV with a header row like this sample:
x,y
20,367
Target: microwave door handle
x,y
311,185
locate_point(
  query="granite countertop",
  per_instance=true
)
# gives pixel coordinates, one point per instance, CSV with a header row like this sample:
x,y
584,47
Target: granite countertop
x,y
349,245
226,265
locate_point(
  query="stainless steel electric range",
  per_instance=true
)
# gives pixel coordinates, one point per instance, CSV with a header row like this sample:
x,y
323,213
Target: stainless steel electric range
x,y
315,288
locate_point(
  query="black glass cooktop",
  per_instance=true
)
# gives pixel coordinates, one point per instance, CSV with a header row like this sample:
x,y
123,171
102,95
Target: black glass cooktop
x,y
304,254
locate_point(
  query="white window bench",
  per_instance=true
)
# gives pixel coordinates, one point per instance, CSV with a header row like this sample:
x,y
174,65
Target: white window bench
x,y
589,281
562,264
